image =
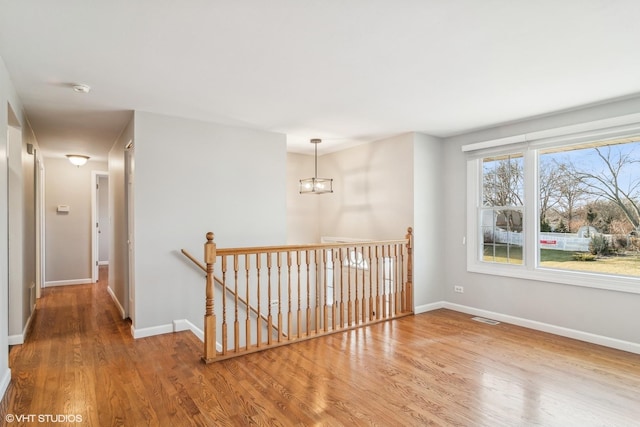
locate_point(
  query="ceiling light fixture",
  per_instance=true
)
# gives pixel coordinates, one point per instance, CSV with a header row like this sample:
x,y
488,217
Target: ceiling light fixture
x,y
77,159
81,88
316,185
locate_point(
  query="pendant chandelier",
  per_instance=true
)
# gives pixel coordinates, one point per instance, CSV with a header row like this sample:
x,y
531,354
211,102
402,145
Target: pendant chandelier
x,y
316,185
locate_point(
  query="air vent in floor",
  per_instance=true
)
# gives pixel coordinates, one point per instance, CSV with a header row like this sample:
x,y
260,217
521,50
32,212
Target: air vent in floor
x,y
487,321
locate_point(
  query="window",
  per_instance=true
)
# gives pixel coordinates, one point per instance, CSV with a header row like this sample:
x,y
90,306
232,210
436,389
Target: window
x,y
589,207
563,209
502,209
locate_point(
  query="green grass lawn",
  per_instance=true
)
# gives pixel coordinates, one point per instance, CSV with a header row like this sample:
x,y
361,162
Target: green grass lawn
x,y
625,264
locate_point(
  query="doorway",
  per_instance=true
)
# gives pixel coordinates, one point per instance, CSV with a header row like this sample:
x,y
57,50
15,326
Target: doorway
x,y
100,222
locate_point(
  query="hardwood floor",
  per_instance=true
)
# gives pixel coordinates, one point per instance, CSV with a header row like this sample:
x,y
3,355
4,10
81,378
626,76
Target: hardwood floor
x,y
437,368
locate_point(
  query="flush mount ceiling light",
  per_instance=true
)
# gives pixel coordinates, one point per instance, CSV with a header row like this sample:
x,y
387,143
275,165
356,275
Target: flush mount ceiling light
x,y
81,88
77,159
316,185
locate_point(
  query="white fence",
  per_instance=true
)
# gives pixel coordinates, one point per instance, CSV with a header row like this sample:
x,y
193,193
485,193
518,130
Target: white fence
x,y
559,241
564,242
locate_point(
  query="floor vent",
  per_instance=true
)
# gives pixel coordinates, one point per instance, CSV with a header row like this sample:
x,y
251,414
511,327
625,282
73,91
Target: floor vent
x,y
487,321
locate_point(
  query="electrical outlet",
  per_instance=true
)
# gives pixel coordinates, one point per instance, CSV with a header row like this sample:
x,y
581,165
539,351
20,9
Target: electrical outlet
x,y
459,289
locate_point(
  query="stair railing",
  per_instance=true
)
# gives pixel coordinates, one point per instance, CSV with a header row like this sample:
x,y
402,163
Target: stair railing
x,y
299,292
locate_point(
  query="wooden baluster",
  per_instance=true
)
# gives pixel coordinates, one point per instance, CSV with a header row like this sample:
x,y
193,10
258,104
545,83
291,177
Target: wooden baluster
x,y
385,291
209,316
334,306
398,280
349,308
378,313
325,309
409,285
355,273
280,323
364,298
317,291
371,269
403,306
299,311
259,316
224,306
340,286
247,298
289,313
236,322
390,278
308,294
269,317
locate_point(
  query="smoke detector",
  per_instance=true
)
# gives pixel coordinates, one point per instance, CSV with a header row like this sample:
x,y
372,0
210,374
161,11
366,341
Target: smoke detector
x,y
81,88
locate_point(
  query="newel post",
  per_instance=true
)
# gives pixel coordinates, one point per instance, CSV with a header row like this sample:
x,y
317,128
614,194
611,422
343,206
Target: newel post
x,y
409,293
209,316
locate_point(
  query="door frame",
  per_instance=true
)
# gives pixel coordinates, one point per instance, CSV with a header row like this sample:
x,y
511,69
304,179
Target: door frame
x,y
95,238
129,280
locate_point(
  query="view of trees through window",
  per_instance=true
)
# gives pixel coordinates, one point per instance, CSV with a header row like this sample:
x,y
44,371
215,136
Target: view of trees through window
x,y
502,208
588,207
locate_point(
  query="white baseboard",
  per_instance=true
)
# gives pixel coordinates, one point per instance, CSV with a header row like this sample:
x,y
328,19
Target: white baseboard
x,y
87,281
177,326
4,382
185,325
103,262
19,338
428,307
115,300
545,327
15,339
153,330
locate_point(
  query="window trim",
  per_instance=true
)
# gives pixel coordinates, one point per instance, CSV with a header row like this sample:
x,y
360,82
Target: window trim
x,y
529,144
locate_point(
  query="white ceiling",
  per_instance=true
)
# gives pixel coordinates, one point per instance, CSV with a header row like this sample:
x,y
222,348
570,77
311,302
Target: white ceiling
x,y
348,72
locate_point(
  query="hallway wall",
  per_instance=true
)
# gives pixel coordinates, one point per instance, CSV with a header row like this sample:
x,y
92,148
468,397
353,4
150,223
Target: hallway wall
x,y
68,243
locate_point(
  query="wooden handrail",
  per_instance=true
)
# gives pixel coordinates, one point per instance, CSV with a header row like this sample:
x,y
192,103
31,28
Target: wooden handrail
x,y
194,260
293,248
231,291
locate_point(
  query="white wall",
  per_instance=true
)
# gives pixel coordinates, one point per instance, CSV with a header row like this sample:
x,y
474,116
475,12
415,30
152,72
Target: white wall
x,y
118,247
192,177
303,210
428,218
373,190
68,242
8,97
611,314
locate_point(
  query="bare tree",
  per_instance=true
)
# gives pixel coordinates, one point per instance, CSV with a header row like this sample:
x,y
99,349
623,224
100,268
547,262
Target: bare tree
x,y
571,190
550,174
503,186
503,182
611,182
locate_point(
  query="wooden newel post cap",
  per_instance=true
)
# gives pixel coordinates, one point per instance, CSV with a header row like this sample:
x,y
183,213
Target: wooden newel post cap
x,y
210,249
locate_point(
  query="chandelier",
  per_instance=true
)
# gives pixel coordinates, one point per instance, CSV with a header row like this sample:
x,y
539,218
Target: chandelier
x,y
316,185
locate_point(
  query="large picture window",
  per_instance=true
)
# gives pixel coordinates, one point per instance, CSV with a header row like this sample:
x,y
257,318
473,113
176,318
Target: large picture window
x,y
589,207
566,212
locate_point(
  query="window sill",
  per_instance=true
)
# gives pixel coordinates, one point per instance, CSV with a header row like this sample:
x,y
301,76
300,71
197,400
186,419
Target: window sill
x,y
565,277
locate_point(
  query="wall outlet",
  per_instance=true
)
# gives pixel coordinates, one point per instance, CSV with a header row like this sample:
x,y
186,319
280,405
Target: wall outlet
x,y
459,289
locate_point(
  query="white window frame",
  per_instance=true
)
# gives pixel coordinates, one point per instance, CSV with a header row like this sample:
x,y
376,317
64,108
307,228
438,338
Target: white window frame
x,y
529,144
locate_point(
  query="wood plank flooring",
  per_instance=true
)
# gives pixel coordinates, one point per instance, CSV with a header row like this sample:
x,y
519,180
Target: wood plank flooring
x,y
437,368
